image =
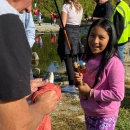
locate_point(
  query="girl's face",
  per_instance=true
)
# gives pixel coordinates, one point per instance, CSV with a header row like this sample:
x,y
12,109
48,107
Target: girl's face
x,y
98,40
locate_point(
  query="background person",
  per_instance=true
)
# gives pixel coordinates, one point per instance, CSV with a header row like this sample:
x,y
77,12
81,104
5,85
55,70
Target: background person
x,y
14,73
71,15
39,17
54,19
103,9
29,26
121,20
51,15
103,82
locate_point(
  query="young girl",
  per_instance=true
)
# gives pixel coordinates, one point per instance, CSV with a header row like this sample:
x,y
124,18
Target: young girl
x,y
102,88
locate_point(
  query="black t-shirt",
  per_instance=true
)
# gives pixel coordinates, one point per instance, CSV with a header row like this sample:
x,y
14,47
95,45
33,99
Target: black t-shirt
x,y
15,59
104,10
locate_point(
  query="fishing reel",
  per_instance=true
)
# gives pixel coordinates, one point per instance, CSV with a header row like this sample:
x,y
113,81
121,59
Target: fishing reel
x,y
80,66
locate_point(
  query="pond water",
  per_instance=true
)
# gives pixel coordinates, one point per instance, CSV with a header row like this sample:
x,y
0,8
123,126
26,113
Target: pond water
x,y
47,52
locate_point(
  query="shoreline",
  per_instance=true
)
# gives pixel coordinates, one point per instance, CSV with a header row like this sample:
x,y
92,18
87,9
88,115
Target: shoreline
x,y
47,28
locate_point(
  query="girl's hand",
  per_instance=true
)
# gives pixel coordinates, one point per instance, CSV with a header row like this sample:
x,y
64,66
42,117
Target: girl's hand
x,y
84,89
78,77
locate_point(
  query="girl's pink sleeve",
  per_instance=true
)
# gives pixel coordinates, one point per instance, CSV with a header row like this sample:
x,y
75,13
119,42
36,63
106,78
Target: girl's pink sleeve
x,y
114,72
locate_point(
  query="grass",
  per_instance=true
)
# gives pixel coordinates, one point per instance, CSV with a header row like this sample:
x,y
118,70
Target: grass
x,y
68,118
123,122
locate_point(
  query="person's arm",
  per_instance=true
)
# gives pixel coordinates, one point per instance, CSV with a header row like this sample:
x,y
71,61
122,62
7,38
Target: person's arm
x,y
15,54
115,77
119,24
84,89
64,18
30,29
108,11
91,19
17,115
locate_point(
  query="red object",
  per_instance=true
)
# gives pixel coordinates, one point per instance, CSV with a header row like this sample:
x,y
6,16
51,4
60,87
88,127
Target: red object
x,y
56,16
46,123
35,11
83,70
53,39
37,39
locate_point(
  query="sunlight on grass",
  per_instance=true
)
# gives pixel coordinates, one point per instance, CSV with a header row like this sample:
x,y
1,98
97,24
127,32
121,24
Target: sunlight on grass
x,y
66,119
123,122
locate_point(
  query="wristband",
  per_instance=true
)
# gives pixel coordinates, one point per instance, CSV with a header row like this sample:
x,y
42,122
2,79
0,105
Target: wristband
x,y
91,92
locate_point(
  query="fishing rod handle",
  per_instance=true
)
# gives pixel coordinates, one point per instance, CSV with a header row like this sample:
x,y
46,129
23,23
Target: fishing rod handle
x,y
76,69
67,40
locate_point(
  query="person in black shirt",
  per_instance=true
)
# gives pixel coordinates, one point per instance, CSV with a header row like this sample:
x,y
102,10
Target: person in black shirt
x,y
15,84
103,9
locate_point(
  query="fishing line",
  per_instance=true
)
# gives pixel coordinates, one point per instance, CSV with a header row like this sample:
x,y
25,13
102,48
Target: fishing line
x,y
66,36
75,64
43,5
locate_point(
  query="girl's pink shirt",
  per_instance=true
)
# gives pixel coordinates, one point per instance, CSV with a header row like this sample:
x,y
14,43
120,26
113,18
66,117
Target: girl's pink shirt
x,y
109,91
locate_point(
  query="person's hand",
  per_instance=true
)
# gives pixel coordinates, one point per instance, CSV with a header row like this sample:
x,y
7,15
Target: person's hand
x,y
84,89
48,101
89,19
78,77
36,83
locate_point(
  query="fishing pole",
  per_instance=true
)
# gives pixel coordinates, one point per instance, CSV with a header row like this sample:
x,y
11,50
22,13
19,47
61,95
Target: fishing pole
x,y
66,36
43,6
76,66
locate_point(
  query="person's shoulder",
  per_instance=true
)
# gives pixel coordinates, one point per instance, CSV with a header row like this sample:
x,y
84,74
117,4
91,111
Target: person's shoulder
x,y
115,60
66,5
8,17
6,8
10,24
108,3
115,64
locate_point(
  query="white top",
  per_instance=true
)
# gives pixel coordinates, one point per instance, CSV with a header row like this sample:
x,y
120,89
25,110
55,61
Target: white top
x,y
5,8
73,17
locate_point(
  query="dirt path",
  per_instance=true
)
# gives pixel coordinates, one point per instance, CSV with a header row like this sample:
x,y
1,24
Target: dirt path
x,y
47,27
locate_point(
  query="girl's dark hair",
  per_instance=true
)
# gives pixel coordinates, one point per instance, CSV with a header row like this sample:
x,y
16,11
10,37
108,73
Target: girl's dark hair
x,y
110,50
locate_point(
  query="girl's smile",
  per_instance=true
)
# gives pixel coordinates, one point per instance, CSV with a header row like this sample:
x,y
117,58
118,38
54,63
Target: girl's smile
x,y
98,40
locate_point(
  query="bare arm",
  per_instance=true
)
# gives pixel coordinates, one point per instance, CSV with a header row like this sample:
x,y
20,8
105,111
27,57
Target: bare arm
x,y
90,19
64,19
17,115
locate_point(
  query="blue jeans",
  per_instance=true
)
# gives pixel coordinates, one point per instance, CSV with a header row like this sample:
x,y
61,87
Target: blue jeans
x,y
121,52
31,74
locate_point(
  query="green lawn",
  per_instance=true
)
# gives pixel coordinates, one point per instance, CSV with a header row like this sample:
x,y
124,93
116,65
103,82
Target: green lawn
x,y
66,119
123,122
